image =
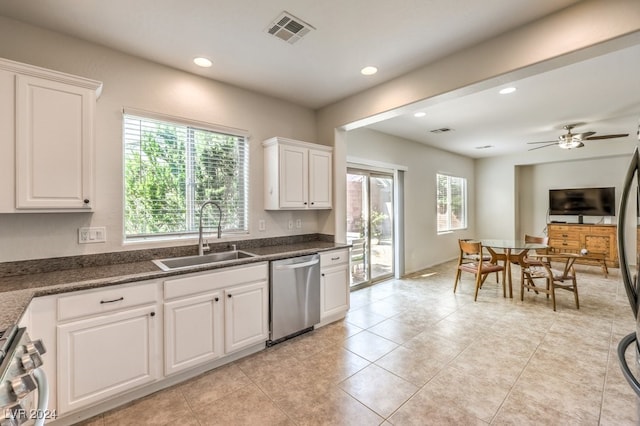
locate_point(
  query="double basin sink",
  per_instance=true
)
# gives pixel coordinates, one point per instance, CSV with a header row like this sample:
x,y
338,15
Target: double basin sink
x,y
185,262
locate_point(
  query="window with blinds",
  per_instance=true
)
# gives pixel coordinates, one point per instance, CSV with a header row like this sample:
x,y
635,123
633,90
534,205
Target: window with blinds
x,y
171,168
451,203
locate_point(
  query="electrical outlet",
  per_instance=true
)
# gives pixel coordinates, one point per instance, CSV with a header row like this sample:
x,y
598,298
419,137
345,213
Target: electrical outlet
x,y
298,223
262,225
92,235
290,223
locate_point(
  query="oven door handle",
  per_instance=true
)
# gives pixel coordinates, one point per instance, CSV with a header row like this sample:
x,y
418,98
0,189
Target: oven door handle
x,y
43,395
626,371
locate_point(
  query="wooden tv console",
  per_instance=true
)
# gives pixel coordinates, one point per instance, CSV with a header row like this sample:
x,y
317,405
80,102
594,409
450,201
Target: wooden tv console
x,y
599,240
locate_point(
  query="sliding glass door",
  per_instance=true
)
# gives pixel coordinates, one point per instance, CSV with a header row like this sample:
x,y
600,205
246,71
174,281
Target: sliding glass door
x,y
370,225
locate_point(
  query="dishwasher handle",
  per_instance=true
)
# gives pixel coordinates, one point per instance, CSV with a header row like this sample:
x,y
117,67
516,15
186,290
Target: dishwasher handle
x,y
296,265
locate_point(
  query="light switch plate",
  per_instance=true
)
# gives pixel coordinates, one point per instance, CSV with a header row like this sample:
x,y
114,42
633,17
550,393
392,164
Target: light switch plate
x,y
90,235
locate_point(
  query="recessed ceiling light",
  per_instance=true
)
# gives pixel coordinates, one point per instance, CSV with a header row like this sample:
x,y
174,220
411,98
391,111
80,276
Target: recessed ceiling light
x,y
419,114
369,70
507,90
202,62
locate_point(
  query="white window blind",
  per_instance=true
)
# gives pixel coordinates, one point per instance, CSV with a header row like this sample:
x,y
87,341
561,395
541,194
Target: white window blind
x,y
171,168
451,203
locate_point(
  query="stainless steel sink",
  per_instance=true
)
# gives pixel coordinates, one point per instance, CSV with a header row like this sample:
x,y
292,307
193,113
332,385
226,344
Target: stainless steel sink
x,y
184,262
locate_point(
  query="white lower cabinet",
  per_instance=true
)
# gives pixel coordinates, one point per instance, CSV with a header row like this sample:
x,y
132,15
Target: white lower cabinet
x,y
334,285
193,331
105,342
246,315
105,355
208,315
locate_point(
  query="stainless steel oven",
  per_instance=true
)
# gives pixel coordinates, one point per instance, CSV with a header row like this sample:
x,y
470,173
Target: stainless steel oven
x,y
24,392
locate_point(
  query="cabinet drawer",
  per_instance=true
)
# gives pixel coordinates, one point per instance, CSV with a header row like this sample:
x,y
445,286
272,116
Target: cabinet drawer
x,y
601,230
559,228
108,299
194,284
564,244
567,234
336,257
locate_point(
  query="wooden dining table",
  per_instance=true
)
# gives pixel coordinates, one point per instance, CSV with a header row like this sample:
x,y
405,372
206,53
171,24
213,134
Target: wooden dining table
x,y
512,251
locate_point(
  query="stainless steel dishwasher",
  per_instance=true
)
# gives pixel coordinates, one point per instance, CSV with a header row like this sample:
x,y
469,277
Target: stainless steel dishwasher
x,y
295,296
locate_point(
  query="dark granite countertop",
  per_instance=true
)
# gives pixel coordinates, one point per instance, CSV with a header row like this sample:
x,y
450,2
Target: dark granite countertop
x,y
17,291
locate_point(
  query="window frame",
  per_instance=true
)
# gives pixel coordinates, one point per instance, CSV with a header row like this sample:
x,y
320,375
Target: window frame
x,y
465,203
191,213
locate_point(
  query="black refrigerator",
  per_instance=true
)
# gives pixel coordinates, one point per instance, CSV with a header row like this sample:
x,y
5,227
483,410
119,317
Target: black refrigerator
x,y
629,222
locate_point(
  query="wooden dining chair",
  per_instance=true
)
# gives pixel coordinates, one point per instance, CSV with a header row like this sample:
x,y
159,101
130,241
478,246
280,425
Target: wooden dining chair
x,y
561,277
533,261
469,252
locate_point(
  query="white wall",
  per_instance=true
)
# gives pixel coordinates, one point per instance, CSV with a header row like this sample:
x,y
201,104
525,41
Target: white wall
x,y
536,180
135,83
423,246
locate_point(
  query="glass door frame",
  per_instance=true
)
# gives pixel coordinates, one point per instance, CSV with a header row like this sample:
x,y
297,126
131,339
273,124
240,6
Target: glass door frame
x,y
368,263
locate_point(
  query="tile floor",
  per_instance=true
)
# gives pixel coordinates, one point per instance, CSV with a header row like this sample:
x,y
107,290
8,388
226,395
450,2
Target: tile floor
x,y
412,352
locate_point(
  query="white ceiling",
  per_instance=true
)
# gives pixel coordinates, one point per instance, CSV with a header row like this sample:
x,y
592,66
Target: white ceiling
x,y
395,36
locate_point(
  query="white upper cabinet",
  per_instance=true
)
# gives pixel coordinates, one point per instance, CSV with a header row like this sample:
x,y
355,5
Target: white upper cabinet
x,y
298,175
46,141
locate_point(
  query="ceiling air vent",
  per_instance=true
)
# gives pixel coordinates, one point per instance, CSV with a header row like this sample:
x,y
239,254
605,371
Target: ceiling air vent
x,y
441,130
289,28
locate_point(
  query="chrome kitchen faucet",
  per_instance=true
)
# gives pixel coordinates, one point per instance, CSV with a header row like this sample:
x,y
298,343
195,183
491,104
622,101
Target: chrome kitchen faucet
x,y
201,248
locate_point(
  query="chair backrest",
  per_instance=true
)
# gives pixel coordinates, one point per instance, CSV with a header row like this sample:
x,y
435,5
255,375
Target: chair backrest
x,y
536,240
357,249
470,248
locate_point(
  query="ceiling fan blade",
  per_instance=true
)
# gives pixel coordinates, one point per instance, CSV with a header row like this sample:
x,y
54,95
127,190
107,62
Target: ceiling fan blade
x,y
593,138
543,146
549,142
584,135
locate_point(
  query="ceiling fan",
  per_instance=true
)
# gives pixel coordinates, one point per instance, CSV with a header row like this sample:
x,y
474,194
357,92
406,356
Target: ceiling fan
x,y
574,140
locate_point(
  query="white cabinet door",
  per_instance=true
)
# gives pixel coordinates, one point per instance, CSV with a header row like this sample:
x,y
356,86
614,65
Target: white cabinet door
x,y
297,175
294,177
54,139
319,179
334,285
193,331
246,315
105,356
334,291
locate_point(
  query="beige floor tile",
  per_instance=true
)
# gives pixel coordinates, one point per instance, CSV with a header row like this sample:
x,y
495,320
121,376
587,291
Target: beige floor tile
x,y
518,410
569,368
548,390
477,396
369,346
335,365
425,408
396,331
379,389
162,408
364,318
411,365
93,421
247,406
214,385
325,405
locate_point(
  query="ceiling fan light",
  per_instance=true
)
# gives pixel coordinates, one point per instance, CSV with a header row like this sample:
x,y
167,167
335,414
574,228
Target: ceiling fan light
x,y
565,143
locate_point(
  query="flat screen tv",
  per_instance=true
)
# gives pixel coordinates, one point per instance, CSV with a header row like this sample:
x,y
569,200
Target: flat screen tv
x,y
583,201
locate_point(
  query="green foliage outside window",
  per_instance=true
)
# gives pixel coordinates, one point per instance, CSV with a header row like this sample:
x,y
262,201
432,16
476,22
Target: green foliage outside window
x,y
171,169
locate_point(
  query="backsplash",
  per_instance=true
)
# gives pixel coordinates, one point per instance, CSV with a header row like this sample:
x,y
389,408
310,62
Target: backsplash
x,y
35,266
